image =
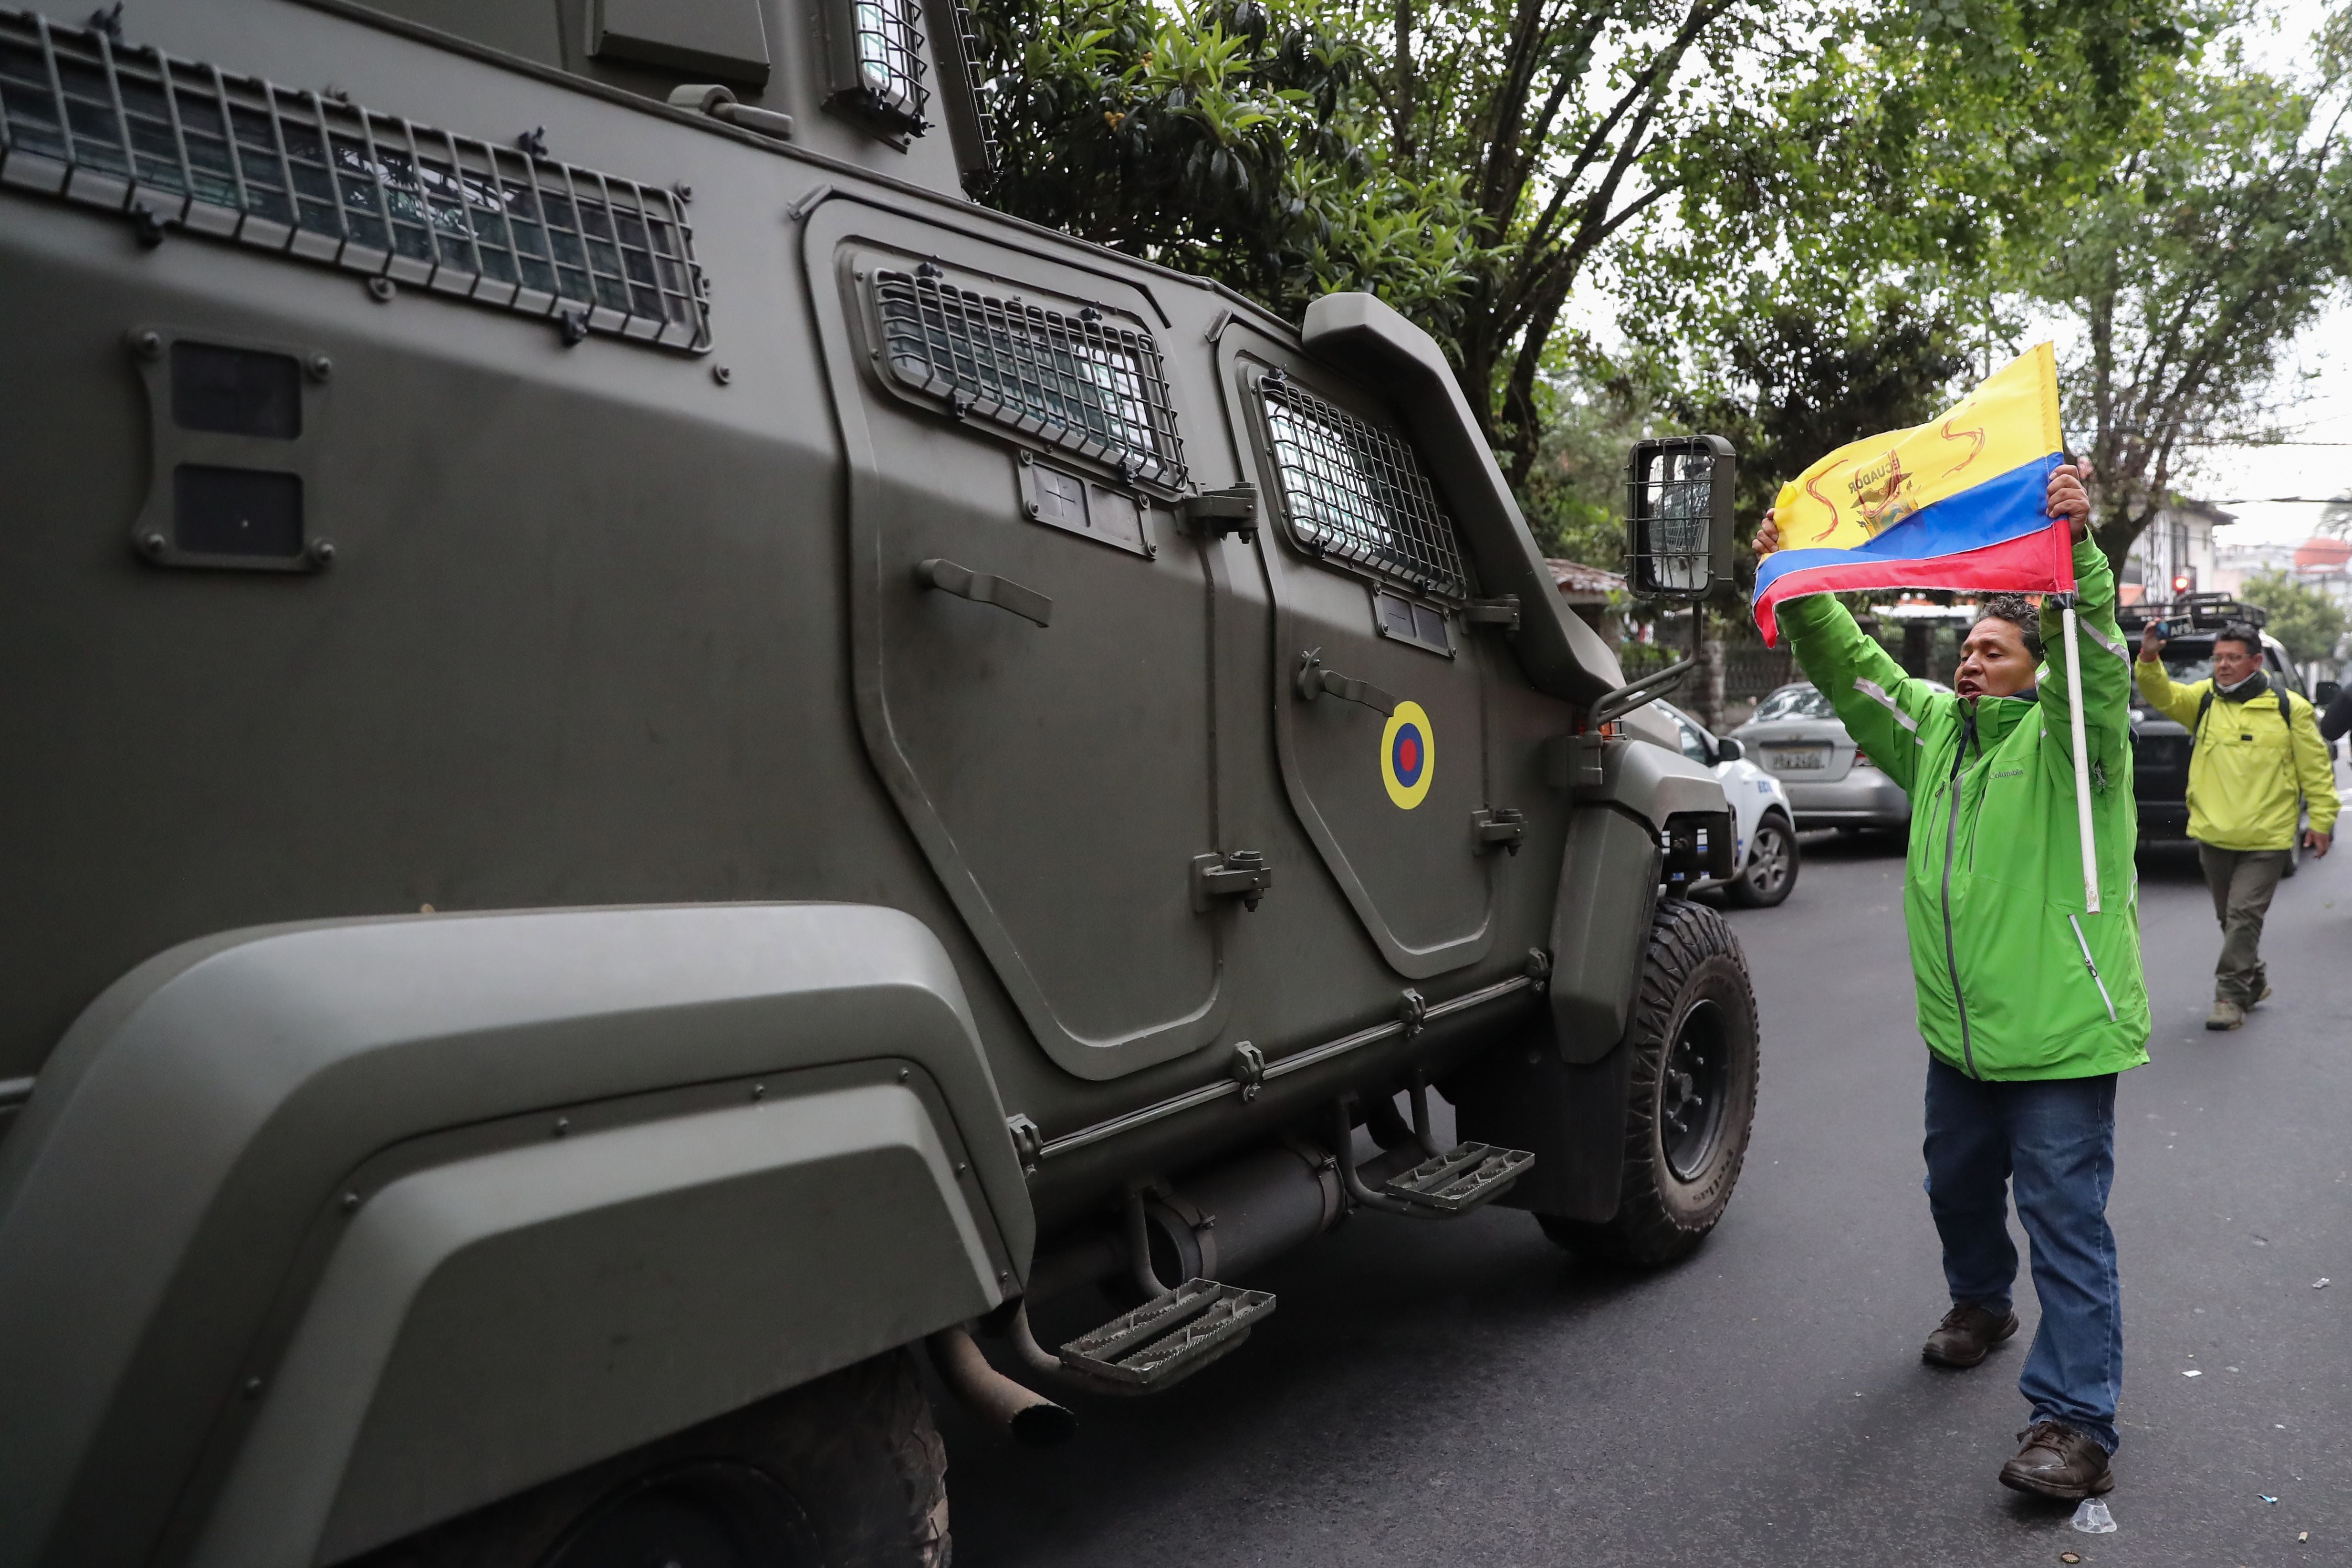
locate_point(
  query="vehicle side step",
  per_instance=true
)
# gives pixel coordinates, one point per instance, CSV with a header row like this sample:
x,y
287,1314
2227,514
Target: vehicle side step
x,y
1462,1179
1169,1338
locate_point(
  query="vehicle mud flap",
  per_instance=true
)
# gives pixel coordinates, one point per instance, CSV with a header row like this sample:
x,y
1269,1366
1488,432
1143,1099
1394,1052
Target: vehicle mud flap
x,y
1570,1116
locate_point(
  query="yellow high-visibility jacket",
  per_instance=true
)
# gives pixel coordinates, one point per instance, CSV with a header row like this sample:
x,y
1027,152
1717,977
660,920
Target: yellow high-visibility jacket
x,y
2249,768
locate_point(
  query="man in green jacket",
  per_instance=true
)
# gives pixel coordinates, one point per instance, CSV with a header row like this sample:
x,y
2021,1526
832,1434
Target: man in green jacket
x,y
2256,758
2028,1003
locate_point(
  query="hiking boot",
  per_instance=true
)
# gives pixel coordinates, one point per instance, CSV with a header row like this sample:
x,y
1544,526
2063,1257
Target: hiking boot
x,y
2058,1461
2226,1015
1967,1336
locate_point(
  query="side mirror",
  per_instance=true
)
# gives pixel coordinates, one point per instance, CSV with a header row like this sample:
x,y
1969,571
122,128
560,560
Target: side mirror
x,y
1729,749
1678,543
2327,691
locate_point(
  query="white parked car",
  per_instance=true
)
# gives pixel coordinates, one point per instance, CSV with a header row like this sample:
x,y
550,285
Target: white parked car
x,y
1761,816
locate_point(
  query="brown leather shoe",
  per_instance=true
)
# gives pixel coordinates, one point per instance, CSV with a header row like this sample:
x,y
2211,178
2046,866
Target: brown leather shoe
x,y
2058,1461
1966,1336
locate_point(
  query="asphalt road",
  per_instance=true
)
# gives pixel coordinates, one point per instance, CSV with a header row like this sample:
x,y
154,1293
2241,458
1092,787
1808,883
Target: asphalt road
x,y
1465,1393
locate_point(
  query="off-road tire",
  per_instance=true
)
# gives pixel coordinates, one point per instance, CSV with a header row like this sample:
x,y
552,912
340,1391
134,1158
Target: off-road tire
x,y
1693,978
854,1456
1744,889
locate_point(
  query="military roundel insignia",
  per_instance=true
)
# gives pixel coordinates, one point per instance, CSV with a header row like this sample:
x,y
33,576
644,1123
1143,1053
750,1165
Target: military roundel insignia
x,y
1408,755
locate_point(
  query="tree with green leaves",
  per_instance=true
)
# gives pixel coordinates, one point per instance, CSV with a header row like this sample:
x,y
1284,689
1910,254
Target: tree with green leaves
x,y
2195,267
1228,139
2301,617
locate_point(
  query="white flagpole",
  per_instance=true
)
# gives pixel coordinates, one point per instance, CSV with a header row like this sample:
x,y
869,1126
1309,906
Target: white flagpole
x,y
2082,762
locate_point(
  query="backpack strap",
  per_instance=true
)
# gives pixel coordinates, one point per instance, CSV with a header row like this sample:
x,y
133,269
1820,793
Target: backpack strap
x,y
2205,704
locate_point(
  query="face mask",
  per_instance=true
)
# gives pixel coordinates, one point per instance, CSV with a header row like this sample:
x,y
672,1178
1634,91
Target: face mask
x,y
2246,690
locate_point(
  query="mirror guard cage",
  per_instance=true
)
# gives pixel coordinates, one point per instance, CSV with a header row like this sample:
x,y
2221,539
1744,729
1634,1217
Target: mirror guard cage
x,y
1356,491
1085,384
877,64
176,144
1678,492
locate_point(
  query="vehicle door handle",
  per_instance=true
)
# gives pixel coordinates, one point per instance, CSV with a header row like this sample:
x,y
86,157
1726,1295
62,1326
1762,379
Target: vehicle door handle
x,y
1314,681
985,588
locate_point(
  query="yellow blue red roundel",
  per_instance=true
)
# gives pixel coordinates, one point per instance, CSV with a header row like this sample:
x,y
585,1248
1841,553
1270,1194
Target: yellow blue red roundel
x,y
1408,755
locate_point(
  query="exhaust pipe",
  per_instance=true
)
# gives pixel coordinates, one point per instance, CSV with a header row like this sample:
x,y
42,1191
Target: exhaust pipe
x,y
1030,1416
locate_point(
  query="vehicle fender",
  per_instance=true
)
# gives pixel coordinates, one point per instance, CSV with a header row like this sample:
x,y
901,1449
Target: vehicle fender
x,y
1359,335
1609,878
312,1236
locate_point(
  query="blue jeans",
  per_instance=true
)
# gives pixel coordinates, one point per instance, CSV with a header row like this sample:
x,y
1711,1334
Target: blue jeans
x,y
2055,1140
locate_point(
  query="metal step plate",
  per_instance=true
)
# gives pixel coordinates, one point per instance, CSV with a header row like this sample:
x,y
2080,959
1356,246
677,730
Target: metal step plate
x,y
1461,1179
1170,1338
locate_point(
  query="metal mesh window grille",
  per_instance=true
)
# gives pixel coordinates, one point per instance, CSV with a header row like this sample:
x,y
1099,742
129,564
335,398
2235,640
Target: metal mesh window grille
x,y
889,45
1355,490
1081,383
297,173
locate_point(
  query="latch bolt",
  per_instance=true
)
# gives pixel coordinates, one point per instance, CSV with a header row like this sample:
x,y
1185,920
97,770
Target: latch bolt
x,y
1244,874
1500,826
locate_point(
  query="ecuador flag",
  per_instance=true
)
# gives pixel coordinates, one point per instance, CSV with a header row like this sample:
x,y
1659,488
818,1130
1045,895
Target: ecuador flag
x,y
1957,502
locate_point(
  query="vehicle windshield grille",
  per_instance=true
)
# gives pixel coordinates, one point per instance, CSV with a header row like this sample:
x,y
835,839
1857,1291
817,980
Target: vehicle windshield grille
x,y
304,174
1355,490
1081,382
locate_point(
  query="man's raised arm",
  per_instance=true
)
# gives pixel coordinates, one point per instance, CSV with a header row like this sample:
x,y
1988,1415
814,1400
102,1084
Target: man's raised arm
x,y
1880,706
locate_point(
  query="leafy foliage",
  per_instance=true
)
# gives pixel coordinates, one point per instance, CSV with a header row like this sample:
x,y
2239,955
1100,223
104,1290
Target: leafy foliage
x,y
2301,617
2196,265
1229,140
1792,221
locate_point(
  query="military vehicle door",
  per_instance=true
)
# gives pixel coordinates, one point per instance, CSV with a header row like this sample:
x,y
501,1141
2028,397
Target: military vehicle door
x,y
1030,663
1378,685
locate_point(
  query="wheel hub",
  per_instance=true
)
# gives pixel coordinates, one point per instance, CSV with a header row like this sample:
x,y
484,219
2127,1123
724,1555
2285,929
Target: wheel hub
x,y
1692,1092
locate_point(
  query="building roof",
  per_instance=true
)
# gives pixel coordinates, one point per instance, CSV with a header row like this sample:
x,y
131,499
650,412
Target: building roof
x,y
1580,582
2321,553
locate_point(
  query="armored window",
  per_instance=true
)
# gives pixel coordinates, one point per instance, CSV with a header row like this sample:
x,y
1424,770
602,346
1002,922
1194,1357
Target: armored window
x,y
182,145
1355,491
877,63
1084,383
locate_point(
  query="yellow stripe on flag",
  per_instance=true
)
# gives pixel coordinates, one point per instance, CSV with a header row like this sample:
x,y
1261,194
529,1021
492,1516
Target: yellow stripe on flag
x,y
1860,490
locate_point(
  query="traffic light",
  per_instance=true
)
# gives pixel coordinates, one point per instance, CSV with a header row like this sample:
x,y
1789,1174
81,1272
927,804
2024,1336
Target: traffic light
x,y
2182,582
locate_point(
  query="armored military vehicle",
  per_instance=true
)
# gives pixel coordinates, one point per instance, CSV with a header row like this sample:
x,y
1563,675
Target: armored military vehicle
x,y
653,762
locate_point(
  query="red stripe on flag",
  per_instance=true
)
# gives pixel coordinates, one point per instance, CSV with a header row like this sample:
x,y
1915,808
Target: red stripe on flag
x,y
2040,563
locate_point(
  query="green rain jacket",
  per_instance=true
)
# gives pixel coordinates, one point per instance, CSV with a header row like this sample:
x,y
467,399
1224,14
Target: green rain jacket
x,y
2015,979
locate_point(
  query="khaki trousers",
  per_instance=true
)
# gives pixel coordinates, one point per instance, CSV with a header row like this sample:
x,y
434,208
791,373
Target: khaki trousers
x,y
2242,882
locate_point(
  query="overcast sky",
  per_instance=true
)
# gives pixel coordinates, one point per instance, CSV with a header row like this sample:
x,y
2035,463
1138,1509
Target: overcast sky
x,y
2230,476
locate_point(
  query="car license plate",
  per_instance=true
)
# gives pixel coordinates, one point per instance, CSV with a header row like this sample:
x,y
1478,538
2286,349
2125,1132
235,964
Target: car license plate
x,y
1811,759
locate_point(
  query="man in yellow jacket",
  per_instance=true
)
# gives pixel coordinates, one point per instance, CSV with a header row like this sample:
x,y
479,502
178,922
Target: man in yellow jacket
x,y
2256,759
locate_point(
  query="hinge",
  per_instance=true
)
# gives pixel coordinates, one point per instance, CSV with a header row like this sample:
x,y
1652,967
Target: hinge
x,y
1413,1012
1574,762
1500,825
1244,874
1215,513
1027,1141
1502,612
1249,1069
